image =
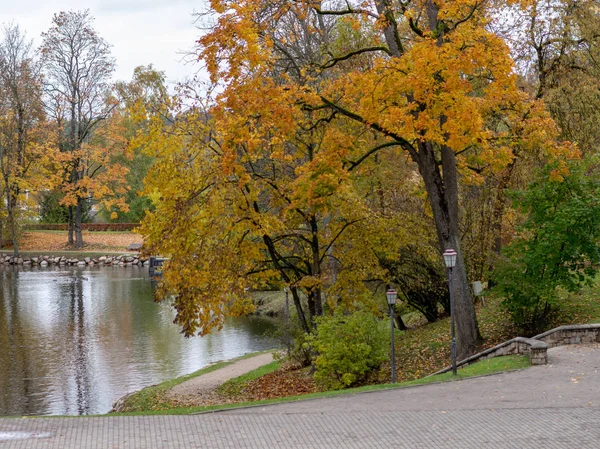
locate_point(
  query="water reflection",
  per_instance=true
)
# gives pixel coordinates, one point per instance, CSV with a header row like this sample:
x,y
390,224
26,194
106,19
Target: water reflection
x,y
72,341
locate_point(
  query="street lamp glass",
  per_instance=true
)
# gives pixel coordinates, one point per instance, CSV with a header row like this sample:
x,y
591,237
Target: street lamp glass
x,y
391,296
450,258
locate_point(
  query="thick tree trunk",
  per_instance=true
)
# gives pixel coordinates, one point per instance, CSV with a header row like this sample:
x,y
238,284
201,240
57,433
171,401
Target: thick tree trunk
x,y
78,218
443,197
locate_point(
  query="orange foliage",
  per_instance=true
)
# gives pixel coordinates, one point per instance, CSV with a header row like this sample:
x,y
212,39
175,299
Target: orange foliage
x,y
264,176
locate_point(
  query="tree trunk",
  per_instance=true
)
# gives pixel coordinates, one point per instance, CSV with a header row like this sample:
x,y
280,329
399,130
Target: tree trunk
x,y
10,204
71,218
443,194
306,326
399,323
299,310
78,218
443,197
316,269
499,206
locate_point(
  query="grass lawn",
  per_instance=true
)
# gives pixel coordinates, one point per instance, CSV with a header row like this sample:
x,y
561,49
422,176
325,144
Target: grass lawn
x,y
582,307
426,349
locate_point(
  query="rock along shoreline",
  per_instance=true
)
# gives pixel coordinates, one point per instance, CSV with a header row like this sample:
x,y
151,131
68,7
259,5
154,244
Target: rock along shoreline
x,y
123,260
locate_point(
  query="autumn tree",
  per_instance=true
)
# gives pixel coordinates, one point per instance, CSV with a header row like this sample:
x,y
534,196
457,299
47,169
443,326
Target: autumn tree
x,y
438,87
24,146
556,46
78,67
237,209
252,200
547,39
146,90
267,196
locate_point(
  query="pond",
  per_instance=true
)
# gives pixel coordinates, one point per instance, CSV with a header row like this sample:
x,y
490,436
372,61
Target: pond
x,y
73,341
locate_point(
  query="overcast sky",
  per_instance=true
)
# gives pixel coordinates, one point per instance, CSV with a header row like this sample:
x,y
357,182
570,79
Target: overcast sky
x,y
140,31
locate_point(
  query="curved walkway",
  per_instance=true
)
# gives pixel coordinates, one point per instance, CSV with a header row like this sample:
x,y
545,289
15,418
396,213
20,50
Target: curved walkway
x,y
208,382
543,407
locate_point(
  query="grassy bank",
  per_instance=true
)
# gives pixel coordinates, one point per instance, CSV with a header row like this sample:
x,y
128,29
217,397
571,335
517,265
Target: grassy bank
x,y
234,387
153,398
425,347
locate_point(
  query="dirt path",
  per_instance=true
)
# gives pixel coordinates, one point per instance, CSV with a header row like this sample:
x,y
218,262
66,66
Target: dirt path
x,y
194,389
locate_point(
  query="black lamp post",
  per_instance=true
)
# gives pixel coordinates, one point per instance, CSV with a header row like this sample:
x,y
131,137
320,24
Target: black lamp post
x,y
391,299
450,261
288,342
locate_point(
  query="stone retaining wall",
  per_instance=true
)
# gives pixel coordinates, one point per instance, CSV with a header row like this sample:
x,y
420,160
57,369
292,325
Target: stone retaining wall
x,y
44,261
571,335
537,347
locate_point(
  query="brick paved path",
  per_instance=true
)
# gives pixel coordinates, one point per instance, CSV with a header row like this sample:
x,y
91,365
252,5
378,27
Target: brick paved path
x,y
546,407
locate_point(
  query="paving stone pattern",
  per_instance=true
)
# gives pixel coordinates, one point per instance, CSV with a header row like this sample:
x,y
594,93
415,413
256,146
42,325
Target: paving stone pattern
x,y
464,429
544,407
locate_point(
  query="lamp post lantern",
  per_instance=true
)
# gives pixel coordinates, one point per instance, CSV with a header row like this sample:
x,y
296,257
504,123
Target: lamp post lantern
x,y
450,261
392,295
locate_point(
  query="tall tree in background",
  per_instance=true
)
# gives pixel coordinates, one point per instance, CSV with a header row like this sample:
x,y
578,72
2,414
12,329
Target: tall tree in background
x,y
555,46
25,148
549,38
78,67
147,90
564,49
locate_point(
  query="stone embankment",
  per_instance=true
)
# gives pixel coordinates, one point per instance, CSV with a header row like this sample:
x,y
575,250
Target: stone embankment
x,y
63,261
537,347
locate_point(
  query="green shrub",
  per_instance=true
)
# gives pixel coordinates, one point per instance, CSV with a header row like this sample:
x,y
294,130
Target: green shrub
x,y
348,347
557,247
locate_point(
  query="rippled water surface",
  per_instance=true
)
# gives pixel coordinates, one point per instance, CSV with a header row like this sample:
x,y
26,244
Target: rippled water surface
x,y
73,341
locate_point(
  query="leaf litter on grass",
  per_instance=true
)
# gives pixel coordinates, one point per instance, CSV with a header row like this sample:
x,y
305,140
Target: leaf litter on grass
x,y
46,242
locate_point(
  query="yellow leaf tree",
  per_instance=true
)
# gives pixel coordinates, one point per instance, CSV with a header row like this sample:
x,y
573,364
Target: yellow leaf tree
x,y
78,66
26,152
255,199
427,79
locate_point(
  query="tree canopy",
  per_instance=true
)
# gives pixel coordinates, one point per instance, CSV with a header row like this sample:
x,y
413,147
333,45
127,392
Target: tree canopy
x,y
314,96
